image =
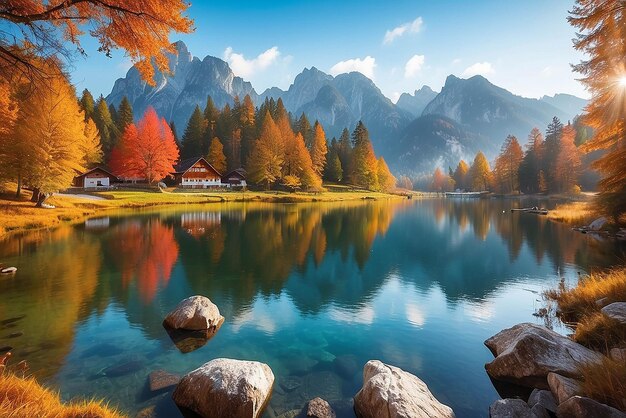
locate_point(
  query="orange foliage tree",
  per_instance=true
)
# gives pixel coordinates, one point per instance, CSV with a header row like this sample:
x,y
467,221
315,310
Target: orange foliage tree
x,y
146,151
506,170
37,28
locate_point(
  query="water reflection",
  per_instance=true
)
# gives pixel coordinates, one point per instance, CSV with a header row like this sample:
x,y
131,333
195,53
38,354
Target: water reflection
x,y
303,287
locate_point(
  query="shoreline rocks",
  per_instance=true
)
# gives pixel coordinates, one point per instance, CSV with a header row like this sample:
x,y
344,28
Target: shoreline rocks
x,y
390,392
526,353
226,388
196,313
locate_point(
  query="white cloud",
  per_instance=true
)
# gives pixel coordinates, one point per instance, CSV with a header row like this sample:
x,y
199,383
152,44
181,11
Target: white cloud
x,y
413,66
365,66
456,61
246,67
547,72
482,68
410,27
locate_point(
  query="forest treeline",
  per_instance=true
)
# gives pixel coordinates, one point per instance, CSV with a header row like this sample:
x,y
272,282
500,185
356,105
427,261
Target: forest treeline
x,y
550,164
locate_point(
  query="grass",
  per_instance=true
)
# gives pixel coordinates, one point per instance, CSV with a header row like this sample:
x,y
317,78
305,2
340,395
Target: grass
x,y
575,213
24,397
606,382
600,332
19,214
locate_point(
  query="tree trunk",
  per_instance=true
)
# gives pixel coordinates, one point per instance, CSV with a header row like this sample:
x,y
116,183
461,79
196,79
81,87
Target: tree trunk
x,y
19,186
41,199
35,196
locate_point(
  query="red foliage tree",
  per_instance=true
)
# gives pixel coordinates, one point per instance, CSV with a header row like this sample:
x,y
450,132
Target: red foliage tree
x,y
146,151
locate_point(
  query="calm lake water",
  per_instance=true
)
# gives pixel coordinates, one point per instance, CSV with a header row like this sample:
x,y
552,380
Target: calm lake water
x,y
314,290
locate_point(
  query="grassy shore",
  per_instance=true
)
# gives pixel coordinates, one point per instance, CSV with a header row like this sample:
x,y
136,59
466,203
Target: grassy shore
x,y
580,307
19,214
575,213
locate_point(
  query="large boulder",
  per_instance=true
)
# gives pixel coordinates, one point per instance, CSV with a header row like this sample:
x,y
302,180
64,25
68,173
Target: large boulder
x,y
580,407
526,353
390,392
319,408
563,387
617,311
225,388
196,313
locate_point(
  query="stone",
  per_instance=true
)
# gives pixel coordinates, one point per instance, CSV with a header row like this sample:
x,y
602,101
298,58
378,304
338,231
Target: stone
x,y
602,302
147,412
526,353
225,388
346,365
188,341
580,407
618,354
617,311
539,411
544,398
510,408
123,369
160,380
196,313
390,392
597,224
562,387
290,383
319,408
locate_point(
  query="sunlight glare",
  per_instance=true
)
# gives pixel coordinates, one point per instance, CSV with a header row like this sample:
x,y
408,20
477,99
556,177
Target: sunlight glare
x,y
622,81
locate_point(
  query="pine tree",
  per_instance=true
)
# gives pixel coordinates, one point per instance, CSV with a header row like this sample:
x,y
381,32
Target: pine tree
x,y
268,154
124,115
531,163
192,138
334,171
344,151
303,126
364,163
461,176
87,104
114,116
247,126
106,126
481,173
211,115
551,152
319,149
175,133
216,157
225,130
603,42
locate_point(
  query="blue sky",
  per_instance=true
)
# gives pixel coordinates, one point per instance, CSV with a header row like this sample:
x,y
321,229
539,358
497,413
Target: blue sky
x,y
524,46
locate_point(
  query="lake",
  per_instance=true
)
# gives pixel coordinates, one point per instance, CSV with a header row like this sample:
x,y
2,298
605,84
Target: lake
x,y
314,290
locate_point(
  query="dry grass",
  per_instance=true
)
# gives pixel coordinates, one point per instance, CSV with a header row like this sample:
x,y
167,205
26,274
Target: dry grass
x,y
576,213
577,302
25,398
599,332
605,382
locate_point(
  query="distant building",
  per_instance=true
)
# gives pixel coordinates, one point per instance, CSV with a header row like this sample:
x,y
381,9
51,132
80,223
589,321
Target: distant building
x,y
236,178
96,178
197,173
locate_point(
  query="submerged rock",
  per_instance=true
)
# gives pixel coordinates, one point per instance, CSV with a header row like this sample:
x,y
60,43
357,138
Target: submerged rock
x,y
196,313
160,380
226,388
346,365
390,392
617,311
580,407
510,408
319,408
526,353
188,341
563,387
122,369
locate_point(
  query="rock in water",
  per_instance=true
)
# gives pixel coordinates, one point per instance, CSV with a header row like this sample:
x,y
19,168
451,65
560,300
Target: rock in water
x,y
225,388
526,353
390,392
195,313
161,380
579,407
319,408
510,408
617,311
123,369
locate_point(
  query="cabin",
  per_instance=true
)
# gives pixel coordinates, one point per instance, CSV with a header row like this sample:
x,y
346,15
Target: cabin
x,y
236,178
96,178
197,173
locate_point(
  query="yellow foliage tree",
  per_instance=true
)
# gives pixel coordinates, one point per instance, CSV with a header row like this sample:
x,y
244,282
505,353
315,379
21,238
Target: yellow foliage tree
x,y
319,149
481,173
216,156
268,154
386,180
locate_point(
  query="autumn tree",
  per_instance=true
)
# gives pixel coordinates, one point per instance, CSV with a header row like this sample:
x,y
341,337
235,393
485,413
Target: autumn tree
x,y
246,119
191,144
41,28
404,182
216,156
146,150
50,141
602,39
551,147
364,163
319,149
461,176
506,170
268,154
480,173
87,104
439,181
568,162
386,180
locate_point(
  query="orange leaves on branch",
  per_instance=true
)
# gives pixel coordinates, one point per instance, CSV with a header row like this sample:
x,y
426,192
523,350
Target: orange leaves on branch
x,y
146,151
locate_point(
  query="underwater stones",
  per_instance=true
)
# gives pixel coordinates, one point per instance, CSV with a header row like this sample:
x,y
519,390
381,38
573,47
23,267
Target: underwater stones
x,y
188,341
226,388
160,380
526,353
346,365
196,313
319,408
123,369
290,383
390,392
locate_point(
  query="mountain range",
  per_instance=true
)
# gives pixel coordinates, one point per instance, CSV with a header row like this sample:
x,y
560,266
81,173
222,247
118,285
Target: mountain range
x,y
422,130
